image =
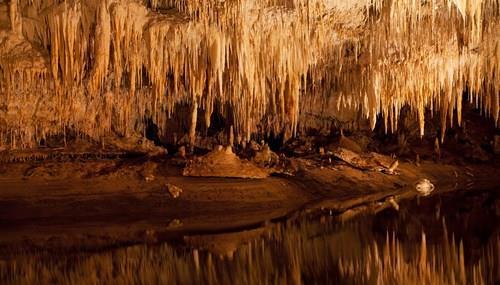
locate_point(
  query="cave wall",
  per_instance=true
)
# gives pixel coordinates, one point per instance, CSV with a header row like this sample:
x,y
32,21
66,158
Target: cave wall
x,y
98,68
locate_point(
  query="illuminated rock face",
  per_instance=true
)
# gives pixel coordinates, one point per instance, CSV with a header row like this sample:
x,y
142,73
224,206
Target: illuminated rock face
x,y
98,68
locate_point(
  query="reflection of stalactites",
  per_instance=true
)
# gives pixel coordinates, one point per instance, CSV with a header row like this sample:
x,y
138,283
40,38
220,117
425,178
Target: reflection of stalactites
x,y
423,255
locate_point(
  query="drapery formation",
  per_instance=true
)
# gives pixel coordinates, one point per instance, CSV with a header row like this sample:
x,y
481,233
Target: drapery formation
x,y
99,67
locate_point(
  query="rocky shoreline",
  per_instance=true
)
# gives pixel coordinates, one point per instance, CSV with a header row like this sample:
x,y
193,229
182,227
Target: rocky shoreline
x,y
105,203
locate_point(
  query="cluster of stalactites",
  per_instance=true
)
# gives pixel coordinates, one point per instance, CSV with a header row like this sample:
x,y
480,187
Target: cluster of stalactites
x,y
272,61
422,55
254,62
431,55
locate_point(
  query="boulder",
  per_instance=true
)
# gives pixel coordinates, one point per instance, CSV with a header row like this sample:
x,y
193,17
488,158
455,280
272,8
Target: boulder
x,y
369,161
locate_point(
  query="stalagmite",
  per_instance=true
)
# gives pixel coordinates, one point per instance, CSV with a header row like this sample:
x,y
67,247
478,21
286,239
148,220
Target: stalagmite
x,y
192,127
224,163
231,136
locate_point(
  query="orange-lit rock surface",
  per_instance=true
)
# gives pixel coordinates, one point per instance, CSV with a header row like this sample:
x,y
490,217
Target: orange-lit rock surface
x,y
223,162
98,68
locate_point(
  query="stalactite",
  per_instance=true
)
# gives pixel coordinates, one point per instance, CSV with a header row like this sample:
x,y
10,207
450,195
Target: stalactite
x,y
15,17
101,50
279,65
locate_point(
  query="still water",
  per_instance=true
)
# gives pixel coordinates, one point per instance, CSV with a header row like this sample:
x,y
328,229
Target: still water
x,y
450,238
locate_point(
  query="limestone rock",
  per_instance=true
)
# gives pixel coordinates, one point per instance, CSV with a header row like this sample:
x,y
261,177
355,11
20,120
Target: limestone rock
x,y
321,151
135,143
254,146
345,143
424,187
354,159
301,145
181,152
393,203
266,157
370,161
85,49
350,144
175,223
174,191
224,163
392,168
148,171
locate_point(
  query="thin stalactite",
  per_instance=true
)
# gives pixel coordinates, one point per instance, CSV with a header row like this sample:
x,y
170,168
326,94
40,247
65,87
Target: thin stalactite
x,y
277,64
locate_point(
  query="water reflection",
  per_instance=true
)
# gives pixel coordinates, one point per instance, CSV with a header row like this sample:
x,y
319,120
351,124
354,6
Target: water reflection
x,y
442,239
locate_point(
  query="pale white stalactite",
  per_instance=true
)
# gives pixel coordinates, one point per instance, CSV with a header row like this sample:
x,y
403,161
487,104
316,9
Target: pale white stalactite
x,y
16,21
277,64
101,49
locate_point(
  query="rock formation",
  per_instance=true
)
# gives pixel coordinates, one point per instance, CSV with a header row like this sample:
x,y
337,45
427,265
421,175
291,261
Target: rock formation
x,y
98,68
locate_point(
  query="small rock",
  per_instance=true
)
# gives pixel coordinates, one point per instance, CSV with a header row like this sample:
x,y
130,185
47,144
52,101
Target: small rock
x,y
349,144
148,171
207,143
254,146
266,156
392,168
321,151
174,191
181,152
293,166
175,223
393,203
424,187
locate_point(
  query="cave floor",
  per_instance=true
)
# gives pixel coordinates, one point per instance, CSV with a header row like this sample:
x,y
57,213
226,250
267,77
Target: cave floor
x,y
107,203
